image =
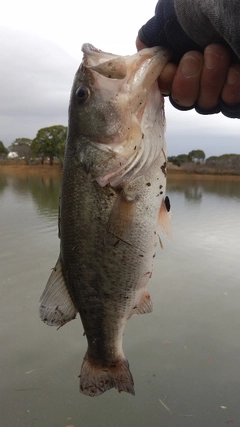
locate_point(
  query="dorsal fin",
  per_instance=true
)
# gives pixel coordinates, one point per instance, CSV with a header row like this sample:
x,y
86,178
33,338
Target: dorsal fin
x,y
56,307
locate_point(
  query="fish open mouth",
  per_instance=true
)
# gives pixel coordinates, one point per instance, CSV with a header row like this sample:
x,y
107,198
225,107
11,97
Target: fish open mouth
x,y
140,69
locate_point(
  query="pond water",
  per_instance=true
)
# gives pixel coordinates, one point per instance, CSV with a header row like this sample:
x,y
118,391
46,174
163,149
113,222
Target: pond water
x,y
184,357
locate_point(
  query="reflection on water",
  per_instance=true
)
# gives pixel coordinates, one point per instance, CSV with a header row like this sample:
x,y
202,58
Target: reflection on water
x,y
44,190
194,187
184,356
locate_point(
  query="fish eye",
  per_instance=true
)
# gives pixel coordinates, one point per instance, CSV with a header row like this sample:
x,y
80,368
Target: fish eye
x,y
82,93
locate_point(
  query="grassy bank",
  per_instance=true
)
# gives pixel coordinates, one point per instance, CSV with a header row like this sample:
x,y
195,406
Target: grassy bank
x,y
27,170
201,170
56,170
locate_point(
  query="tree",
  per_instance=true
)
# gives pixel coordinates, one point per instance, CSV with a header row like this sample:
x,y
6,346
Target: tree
x,y
22,146
50,142
178,160
3,150
196,156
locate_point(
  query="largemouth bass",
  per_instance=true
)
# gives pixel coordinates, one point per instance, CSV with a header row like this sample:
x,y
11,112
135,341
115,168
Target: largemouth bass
x,y
112,202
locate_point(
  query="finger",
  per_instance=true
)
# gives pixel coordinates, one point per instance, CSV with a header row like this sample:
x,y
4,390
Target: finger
x,y
231,88
166,77
139,44
214,73
185,86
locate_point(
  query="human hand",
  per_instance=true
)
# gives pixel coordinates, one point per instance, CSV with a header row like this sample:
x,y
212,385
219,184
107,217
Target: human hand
x,y
209,82
203,79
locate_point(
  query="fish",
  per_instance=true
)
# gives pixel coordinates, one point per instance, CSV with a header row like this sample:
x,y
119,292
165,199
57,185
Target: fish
x,y
112,204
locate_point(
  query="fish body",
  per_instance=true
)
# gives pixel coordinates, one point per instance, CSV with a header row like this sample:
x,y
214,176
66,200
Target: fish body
x,y
112,201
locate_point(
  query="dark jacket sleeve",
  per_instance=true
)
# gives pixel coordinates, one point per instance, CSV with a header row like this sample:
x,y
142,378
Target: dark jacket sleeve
x,y
211,21
184,25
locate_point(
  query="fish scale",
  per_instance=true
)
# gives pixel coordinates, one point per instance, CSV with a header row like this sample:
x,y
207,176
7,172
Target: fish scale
x,y
112,202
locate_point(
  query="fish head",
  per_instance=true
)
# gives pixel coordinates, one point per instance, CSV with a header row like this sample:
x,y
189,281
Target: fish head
x,y
109,97
98,96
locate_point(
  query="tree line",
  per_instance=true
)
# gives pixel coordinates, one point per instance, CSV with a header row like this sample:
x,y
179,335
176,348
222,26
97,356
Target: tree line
x,y
48,143
194,156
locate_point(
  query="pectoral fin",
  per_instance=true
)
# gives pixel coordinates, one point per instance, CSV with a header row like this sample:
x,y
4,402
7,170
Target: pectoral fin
x,y
56,307
121,217
164,218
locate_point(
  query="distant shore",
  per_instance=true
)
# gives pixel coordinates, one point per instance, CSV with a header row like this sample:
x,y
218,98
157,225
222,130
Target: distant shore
x,y
23,169
56,170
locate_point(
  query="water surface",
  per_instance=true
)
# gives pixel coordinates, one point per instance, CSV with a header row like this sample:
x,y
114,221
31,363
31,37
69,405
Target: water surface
x,y
184,357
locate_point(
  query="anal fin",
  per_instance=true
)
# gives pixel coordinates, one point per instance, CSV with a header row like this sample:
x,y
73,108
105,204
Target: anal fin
x,y
145,305
55,306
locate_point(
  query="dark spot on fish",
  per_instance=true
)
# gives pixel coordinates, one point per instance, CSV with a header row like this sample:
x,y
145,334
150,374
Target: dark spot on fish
x,y
120,164
134,308
163,168
148,184
167,203
160,186
141,255
142,135
154,255
109,76
161,192
135,147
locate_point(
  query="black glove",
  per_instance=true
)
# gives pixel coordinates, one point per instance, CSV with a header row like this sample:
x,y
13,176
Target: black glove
x,y
164,30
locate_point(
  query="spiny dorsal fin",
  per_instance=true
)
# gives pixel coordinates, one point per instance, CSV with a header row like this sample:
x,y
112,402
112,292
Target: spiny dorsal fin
x,y
56,307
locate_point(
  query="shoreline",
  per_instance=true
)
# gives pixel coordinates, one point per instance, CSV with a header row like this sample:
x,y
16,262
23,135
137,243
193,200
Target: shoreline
x,y
20,169
56,170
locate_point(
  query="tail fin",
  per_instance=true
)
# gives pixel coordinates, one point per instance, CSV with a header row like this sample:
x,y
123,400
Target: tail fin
x,y
96,379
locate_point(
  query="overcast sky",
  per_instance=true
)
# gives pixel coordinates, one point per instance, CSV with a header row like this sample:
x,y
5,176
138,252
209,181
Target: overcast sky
x,y
40,45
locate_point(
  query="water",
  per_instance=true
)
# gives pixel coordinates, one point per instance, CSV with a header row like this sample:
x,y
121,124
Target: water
x,y
184,357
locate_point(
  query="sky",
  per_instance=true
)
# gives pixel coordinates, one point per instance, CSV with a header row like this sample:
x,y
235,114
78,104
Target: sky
x,y
40,45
